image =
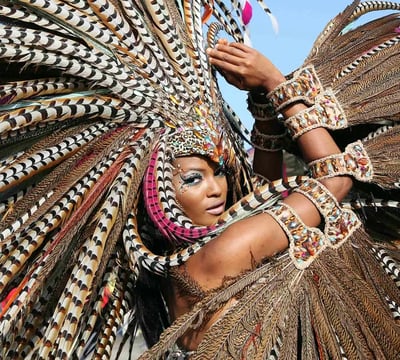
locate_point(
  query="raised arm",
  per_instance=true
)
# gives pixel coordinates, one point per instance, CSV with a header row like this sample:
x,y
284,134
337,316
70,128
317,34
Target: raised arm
x,y
247,69
261,236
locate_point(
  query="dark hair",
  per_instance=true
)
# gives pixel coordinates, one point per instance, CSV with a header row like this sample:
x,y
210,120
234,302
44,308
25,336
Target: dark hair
x,y
151,311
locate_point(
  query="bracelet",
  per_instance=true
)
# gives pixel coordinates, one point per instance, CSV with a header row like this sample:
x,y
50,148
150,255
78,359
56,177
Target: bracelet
x,y
339,223
264,111
326,112
303,86
305,243
353,161
265,142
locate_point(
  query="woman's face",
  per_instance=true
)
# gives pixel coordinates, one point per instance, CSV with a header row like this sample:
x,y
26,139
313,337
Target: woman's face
x,y
201,189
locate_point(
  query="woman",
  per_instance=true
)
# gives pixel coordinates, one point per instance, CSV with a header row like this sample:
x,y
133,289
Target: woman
x,y
201,186
105,160
248,242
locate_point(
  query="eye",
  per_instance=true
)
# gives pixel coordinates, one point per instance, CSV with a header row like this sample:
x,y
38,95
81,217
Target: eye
x,y
191,179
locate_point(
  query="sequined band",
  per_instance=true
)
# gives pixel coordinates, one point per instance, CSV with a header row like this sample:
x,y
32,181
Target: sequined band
x,y
326,112
304,86
305,243
339,223
353,161
261,111
266,142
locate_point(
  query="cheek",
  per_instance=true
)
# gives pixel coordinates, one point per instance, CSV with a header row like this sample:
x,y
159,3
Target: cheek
x,y
225,185
190,203
187,198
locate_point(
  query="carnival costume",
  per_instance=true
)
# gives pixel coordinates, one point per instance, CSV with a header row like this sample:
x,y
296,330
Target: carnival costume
x,y
101,95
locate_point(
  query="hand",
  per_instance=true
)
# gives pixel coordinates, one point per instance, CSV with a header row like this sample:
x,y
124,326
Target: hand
x,y
244,67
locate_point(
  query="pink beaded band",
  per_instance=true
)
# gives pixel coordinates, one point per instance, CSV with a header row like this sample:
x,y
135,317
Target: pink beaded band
x,y
303,86
353,161
339,223
305,243
326,112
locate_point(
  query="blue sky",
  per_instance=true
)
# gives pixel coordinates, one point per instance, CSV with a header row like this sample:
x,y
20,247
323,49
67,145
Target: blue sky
x,y
300,22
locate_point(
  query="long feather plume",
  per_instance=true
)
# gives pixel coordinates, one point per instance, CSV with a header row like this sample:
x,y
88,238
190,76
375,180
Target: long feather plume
x,y
88,90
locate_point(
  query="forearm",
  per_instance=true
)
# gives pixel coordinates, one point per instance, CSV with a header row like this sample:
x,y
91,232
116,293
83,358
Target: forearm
x,y
247,69
267,136
316,144
268,163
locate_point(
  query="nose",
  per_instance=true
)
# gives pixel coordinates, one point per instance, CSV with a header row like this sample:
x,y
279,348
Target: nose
x,y
215,186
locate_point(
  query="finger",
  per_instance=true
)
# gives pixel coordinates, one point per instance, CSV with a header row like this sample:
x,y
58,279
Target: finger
x,y
231,50
234,80
240,46
234,55
223,42
228,56
217,53
224,65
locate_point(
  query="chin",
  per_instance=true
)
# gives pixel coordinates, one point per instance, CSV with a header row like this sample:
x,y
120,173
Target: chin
x,y
207,222
213,221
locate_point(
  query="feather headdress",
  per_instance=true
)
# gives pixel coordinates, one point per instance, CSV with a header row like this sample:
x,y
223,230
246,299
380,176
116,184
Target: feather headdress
x,y
90,91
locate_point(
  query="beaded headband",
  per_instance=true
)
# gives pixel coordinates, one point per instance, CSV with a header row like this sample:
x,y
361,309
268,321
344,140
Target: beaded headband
x,y
201,136
187,142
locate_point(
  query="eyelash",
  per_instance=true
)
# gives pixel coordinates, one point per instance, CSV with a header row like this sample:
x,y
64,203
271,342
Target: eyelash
x,y
191,179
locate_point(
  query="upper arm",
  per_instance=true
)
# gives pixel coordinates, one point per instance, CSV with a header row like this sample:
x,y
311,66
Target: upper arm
x,y
253,239
236,250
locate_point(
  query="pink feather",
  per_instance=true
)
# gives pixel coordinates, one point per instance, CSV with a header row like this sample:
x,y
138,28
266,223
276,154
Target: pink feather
x,y
247,12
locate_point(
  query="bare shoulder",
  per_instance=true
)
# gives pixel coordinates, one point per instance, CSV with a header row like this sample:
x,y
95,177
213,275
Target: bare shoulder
x,y
242,244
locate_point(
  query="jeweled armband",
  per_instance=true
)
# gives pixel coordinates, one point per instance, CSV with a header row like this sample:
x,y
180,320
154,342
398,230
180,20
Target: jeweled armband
x,y
339,223
303,86
353,161
305,243
326,113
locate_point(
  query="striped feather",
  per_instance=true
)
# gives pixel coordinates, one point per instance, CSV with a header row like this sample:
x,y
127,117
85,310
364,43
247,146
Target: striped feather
x,y
172,43
62,109
95,87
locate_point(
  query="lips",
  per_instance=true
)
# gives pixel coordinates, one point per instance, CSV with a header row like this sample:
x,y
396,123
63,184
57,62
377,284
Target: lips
x,y
217,209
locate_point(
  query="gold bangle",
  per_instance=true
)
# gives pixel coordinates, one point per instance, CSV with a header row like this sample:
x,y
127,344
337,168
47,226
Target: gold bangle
x,y
266,142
